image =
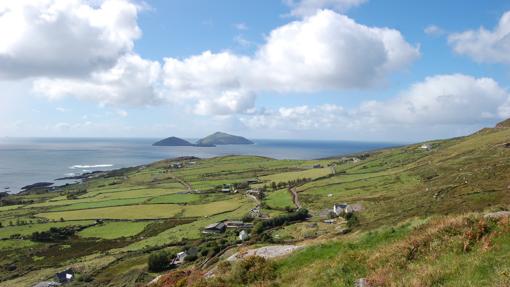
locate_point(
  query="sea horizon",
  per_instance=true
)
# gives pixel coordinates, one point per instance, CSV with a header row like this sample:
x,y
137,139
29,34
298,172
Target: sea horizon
x,y
28,160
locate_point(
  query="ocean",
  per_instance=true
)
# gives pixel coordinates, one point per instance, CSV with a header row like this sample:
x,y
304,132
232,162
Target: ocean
x,y
25,161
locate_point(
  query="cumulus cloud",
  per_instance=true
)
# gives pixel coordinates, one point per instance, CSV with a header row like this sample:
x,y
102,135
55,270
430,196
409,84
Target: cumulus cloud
x,y
229,102
64,37
485,46
330,51
327,51
241,26
299,118
131,82
433,30
75,48
309,7
442,100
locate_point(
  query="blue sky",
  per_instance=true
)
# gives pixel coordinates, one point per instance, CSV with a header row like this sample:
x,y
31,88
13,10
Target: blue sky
x,y
304,69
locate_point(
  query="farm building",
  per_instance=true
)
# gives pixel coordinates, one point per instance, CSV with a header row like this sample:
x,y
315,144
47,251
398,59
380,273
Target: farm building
x,y
218,227
65,276
176,165
342,209
237,224
179,258
226,188
425,147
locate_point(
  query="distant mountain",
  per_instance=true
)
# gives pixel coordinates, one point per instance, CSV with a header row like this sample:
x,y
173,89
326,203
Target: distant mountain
x,y
220,138
173,141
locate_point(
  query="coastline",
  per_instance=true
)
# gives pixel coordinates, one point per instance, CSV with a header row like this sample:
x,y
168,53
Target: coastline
x,y
31,161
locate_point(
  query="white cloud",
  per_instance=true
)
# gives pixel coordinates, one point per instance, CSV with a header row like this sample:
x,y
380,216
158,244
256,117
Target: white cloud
x,y
433,30
241,26
62,109
327,51
64,37
242,41
228,102
131,82
78,49
442,101
483,45
121,113
299,118
330,51
309,7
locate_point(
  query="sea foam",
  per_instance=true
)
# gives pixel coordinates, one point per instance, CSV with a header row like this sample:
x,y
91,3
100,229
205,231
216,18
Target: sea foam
x,y
80,166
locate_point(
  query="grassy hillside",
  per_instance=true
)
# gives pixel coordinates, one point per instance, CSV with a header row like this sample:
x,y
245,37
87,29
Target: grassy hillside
x,y
419,220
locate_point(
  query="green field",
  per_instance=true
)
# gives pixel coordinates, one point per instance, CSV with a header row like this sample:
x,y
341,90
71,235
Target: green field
x,y
114,230
419,219
31,228
279,199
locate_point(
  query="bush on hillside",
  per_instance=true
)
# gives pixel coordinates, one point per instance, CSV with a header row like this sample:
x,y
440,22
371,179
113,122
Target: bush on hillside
x,y
260,226
54,234
160,261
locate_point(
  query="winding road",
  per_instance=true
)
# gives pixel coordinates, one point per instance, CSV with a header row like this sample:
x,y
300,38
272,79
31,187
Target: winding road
x,y
295,197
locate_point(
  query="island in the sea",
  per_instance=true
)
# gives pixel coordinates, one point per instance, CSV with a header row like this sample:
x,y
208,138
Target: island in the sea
x,y
218,138
172,141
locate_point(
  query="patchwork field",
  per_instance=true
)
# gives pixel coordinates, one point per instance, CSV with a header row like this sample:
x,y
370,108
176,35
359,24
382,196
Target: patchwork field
x,y
107,227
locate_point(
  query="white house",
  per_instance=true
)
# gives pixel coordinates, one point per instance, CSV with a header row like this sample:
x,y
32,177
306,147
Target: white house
x,y
179,258
342,209
425,147
243,235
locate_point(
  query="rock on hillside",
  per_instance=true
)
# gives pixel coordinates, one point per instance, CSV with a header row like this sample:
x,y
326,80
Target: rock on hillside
x,y
503,124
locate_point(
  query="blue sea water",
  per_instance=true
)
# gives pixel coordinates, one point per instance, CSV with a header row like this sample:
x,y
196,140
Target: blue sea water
x,y
25,161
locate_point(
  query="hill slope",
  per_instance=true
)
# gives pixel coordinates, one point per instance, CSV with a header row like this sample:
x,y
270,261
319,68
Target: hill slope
x,y
420,220
220,138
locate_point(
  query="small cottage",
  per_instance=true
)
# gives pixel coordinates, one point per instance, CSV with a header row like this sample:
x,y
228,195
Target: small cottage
x,y
176,165
425,147
179,258
237,224
218,227
341,209
226,188
234,224
65,276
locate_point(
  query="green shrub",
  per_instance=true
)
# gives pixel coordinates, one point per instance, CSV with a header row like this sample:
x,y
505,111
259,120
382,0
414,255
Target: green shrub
x,y
252,269
260,226
190,258
160,261
54,234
